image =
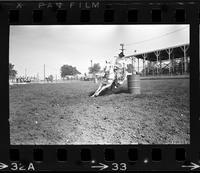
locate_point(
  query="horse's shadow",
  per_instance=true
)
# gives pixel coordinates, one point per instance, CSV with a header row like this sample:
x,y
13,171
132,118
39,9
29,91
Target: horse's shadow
x,y
109,91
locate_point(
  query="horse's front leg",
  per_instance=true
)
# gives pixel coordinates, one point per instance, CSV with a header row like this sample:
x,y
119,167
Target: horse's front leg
x,y
93,95
103,88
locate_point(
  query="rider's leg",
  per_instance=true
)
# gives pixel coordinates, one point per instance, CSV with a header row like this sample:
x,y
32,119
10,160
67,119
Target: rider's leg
x,y
114,84
121,82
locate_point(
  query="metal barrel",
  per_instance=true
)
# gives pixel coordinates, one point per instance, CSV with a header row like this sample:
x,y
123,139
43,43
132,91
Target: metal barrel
x,y
133,82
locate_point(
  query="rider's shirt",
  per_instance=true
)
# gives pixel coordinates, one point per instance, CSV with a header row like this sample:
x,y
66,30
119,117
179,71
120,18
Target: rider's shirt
x,y
119,62
119,69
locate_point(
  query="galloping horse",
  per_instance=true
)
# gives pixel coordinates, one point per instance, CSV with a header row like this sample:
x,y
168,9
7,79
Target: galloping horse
x,y
114,76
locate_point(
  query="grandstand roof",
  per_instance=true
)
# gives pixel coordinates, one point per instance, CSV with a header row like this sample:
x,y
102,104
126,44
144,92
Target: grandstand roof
x,y
176,53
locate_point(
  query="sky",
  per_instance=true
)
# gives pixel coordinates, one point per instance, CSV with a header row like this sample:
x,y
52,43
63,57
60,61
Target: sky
x,y
30,47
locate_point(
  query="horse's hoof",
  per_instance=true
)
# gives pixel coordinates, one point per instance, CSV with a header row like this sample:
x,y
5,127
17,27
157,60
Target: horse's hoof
x,y
94,96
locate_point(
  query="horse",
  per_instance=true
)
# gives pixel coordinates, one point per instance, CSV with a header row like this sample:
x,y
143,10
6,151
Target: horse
x,y
114,76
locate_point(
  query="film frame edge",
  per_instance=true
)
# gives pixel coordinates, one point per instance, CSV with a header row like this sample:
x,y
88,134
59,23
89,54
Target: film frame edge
x,y
179,157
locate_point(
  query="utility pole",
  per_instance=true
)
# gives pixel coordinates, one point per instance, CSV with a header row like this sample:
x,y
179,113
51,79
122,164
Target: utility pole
x,y
122,48
91,63
44,72
38,76
25,73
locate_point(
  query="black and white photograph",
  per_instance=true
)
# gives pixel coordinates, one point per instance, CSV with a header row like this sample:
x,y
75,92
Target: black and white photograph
x,y
99,84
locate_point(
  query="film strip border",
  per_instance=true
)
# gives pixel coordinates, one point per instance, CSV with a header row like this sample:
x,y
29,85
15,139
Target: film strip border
x,y
61,154
105,12
116,158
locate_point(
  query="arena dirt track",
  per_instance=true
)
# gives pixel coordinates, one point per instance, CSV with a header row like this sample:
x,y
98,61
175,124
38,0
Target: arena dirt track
x,y
63,113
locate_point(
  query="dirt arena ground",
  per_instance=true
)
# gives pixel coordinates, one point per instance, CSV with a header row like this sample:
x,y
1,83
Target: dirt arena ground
x,y
63,113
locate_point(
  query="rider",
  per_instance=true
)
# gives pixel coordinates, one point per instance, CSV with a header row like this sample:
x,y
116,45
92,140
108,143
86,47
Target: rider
x,y
119,68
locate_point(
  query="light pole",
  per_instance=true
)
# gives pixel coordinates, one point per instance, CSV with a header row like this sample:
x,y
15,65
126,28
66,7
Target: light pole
x,y
91,63
25,73
44,72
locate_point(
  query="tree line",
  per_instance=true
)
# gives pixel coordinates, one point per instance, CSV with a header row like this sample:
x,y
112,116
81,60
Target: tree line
x,y
65,70
70,70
